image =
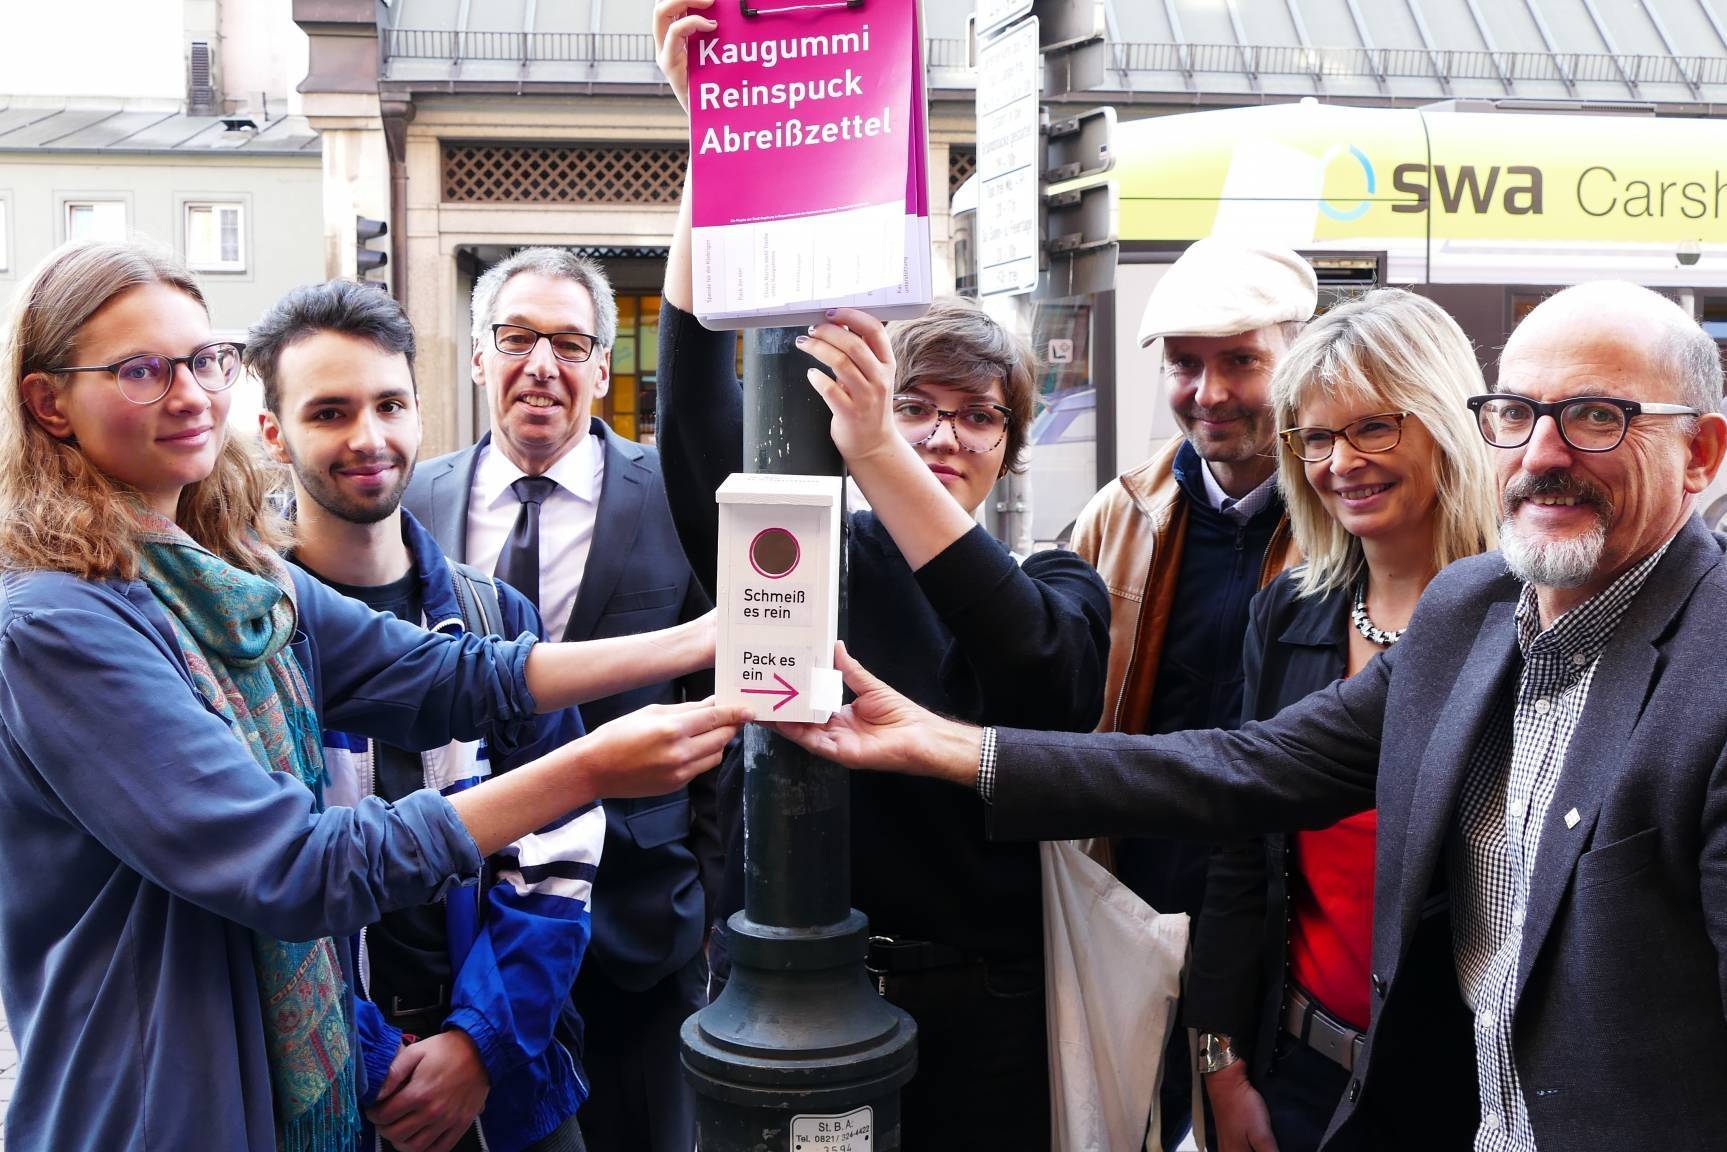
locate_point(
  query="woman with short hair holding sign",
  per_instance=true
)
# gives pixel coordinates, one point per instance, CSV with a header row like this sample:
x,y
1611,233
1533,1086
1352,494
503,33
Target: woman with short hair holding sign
x,y
928,417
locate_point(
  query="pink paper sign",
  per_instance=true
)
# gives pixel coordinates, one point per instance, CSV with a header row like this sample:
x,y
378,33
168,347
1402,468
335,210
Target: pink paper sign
x,y
796,113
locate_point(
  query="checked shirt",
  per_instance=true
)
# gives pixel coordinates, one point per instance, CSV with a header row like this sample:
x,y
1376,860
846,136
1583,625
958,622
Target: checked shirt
x,y
1506,793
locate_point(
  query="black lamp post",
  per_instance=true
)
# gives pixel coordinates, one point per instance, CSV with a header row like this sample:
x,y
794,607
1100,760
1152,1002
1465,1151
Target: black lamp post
x,y
799,1053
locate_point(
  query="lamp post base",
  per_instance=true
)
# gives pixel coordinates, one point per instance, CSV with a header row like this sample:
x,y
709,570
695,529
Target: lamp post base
x,y
799,1053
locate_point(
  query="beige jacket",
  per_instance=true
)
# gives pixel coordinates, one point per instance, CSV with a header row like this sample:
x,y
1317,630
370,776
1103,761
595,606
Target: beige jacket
x,y
1132,532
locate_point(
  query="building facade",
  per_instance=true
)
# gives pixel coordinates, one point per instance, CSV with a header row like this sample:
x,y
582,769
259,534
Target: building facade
x,y
172,121
239,205
479,128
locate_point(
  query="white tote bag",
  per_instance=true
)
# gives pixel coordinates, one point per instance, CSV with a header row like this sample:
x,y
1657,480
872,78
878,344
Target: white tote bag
x,y
1113,970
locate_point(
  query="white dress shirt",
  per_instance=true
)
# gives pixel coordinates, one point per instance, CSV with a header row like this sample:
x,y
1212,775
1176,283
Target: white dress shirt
x,y
566,521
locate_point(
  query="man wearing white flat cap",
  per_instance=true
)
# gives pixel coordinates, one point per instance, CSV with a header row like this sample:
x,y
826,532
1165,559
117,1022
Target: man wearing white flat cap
x,y
1185,539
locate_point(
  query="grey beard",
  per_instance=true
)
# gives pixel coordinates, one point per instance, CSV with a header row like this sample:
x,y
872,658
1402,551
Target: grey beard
x,y
1553,563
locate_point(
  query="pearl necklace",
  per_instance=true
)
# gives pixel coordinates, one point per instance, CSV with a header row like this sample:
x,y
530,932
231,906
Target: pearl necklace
x,y
1365,626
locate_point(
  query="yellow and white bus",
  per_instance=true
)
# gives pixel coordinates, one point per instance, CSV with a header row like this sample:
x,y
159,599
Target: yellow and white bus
x,y
1485,211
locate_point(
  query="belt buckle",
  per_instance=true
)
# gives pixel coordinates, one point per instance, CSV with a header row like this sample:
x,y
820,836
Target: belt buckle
x,y
1327,1038
1331,1038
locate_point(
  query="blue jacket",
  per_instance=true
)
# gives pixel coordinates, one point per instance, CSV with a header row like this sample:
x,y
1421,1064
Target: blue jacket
x,y
141,846
515,942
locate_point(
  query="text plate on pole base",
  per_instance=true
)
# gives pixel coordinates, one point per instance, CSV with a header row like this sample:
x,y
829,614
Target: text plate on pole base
x,y
848,1133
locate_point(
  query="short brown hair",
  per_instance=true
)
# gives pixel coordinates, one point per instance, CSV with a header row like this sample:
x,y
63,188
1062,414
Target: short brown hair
x,y
358,308
62,512
957,343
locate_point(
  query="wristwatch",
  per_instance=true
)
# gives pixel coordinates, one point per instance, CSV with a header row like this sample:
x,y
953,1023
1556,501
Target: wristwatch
x,y
1215,1054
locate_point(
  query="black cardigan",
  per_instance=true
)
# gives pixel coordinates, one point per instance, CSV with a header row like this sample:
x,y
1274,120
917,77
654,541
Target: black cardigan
x,y
973,634
1235,985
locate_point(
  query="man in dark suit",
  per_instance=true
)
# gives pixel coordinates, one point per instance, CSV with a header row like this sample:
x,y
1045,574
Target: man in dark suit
x,y
1545,746
566,511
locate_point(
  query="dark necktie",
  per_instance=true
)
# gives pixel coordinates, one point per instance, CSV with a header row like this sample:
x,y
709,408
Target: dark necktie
x,y
519,562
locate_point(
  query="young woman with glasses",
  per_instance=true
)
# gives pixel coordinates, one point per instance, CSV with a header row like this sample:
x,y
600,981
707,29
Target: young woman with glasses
x,y
1387,481
177,894
928,415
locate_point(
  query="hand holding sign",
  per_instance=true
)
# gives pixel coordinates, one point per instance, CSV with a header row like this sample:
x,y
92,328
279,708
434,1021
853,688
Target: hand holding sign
x,y
675,21
860,391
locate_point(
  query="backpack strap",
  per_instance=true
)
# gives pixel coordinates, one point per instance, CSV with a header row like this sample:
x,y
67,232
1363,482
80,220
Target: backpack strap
x,y
477,597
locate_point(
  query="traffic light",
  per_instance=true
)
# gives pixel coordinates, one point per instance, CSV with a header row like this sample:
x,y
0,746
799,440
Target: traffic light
x,y
366,259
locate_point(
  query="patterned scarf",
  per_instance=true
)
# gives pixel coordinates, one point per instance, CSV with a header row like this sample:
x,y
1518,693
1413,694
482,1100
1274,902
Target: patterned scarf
x,y
233,628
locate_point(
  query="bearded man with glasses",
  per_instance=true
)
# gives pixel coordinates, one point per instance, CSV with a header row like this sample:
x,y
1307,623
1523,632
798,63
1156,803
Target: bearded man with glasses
x,y
1585,426
574,516
1545,745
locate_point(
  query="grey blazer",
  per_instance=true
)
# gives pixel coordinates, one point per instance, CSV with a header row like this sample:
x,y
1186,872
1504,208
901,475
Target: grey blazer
x,y
1619,1032
663,860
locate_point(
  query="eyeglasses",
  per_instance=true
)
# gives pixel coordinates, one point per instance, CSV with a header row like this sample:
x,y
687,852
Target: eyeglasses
x,y
977,428
1370,434
146,378
1586,423
518,340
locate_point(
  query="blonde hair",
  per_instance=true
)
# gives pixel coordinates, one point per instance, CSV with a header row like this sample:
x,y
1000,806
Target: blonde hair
x,y
1403,352
58,511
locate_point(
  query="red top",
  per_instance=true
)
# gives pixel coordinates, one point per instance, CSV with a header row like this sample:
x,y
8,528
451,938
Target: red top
x,y
1331,916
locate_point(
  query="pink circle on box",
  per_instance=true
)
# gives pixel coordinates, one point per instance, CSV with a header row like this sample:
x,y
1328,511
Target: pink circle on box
x,y
772,539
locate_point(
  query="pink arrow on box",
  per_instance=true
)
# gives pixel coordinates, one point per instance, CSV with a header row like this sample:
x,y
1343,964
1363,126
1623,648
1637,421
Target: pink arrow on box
x,y
785,692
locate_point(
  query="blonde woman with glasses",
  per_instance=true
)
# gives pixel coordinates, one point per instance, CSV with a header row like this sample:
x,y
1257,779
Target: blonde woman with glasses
x,y
177,894
1387,481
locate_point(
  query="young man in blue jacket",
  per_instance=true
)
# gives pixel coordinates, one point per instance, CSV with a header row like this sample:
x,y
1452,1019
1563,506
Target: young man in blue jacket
x,y
460,998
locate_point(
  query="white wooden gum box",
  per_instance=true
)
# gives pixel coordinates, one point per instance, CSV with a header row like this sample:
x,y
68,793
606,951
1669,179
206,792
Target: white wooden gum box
x,y
778,595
